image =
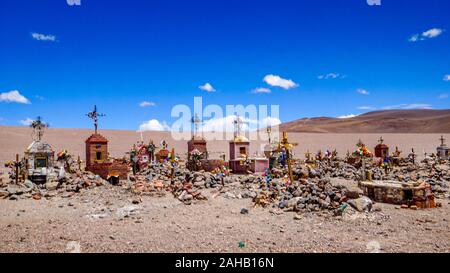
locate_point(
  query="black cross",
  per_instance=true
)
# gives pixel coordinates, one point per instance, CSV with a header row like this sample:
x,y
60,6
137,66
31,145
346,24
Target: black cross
x,y
38,127
95,115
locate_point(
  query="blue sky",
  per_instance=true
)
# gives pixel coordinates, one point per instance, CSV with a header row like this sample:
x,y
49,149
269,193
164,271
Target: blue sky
x,y
342,57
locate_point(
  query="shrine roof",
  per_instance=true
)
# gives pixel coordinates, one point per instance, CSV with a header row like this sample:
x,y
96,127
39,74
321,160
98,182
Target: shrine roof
x,y
39,147
97,138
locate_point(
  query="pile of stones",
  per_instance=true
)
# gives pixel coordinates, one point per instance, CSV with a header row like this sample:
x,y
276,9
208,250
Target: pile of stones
x,y
65,186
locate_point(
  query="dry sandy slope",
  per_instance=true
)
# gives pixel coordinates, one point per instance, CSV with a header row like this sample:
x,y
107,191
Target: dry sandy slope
x,y
389,121
15,140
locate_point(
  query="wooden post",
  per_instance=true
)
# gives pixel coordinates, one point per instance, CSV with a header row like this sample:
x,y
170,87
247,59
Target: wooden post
x,y
172,161
79,163
17,165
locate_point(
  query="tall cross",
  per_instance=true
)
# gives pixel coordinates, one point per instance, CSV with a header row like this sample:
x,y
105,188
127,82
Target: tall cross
x,y
38,128
238,122
95,115
196,121
269,132
442,139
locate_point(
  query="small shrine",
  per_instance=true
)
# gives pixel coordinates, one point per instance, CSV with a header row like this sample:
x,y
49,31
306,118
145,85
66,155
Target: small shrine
x,y
163,154
39,156
197,144
198,156
443,150
418,194
97,156
240,161
381,150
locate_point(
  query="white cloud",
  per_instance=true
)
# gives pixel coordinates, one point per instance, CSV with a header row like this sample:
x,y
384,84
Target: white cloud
x,y
43,37
447,77
414,38
13,96
348,116
432,33
147,104
331,76
207,87
274,80
154,125
261,90
429,34
443,96
410,106
39,97
366,108
26,122
363,91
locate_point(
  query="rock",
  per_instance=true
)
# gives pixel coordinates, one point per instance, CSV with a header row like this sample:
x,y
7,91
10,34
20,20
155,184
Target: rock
x,y
51,186
361,204
353,194
28,184
292,203
229,195
14,197
136,201
244,211
4,194
14,190
298,217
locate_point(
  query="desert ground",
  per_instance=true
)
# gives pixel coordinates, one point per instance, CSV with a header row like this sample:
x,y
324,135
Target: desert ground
x,y
105,219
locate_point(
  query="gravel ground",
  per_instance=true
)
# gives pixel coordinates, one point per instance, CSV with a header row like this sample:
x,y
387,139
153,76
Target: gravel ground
x,y
104,219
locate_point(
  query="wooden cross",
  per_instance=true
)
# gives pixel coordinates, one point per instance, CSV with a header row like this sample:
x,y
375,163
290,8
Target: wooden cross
x,y
38,128
17,165
288,146
95,115
79,163
269,132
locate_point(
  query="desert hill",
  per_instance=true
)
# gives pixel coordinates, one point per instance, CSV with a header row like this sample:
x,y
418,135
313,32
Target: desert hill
x,y
389,121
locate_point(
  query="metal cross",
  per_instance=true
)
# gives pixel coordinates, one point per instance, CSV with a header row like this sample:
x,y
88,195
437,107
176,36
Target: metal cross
x,y
238,122
196,121
38,128
95,115
442,139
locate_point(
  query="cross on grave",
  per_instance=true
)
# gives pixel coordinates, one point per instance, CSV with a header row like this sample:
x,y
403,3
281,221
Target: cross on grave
x,y
288,147
38,128
95,115
269,132
238,122
17,166
442,139
381,140
196,121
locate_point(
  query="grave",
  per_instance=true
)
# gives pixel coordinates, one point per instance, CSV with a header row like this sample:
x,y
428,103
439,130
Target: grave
x,y
97,156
